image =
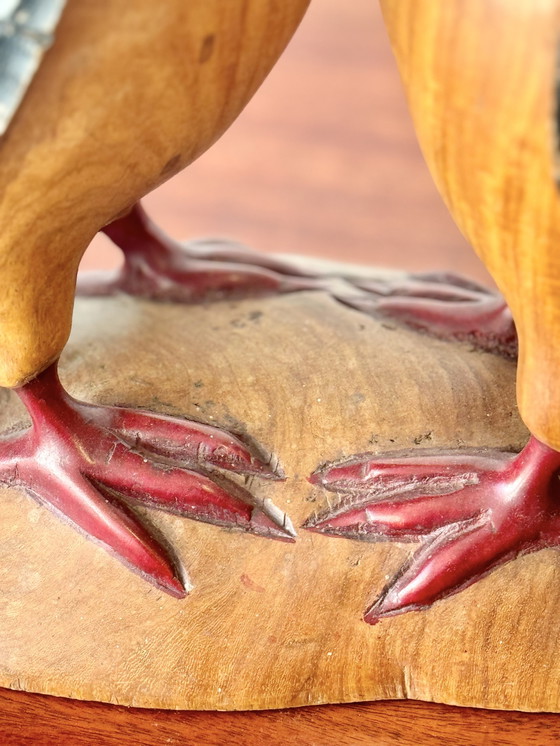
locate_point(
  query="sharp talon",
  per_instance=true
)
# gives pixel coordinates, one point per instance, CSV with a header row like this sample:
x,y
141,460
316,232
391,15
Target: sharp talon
x,y
269,520
107,522
276,473
456,557
385,607
354,523
174,587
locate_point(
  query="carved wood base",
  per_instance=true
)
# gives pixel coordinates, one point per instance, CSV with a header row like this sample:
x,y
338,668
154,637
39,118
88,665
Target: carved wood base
x,y
270,624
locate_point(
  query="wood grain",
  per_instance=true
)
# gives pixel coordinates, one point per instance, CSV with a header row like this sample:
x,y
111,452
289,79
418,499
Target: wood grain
x,y
365,194
480,79
271,624
324,161
42,721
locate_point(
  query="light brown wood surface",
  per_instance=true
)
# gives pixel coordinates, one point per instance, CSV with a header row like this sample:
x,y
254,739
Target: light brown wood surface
x,y
129,94
364,194
480,78
271,624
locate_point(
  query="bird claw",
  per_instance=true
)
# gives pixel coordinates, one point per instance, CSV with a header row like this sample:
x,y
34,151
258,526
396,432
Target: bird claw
x,y
186,442
442,304
471,511
83,460
422,581
158,268
107,521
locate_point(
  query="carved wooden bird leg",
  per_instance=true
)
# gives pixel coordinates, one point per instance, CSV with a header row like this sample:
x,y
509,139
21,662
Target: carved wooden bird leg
x,y
129,94
480,79
160,268
82,459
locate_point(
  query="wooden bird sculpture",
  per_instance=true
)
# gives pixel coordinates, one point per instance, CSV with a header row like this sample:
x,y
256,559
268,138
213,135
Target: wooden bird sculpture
x,y
130,94
481,80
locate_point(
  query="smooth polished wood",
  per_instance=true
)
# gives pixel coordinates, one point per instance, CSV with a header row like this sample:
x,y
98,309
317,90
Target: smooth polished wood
x,y
129,94
480,77
324,161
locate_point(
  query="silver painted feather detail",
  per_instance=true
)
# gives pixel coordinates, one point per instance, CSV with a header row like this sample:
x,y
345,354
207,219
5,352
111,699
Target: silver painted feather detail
x,y
26,32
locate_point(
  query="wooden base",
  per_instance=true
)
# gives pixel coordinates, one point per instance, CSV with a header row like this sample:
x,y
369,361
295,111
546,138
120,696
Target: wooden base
x,y
270,624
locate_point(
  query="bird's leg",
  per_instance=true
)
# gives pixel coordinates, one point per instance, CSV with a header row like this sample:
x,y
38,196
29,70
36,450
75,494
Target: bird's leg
x,y
443,305
89,462
160,268
471,511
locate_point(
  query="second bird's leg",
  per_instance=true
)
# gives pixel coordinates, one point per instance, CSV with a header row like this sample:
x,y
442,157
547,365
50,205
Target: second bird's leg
x,y
158,267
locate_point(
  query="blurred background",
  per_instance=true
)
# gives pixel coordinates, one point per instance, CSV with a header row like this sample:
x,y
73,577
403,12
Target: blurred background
x,y
323,161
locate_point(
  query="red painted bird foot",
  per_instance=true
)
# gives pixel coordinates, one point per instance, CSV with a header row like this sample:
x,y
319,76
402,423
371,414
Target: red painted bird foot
x,y
159,268
445,305
472,511
84,461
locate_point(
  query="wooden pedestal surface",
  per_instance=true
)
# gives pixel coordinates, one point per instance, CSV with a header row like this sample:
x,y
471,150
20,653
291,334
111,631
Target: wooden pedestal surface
x,y
270,624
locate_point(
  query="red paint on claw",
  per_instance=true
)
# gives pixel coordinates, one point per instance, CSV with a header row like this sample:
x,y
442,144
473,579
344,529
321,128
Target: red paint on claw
x,y
160,268
156,267
471,512
443,305
81,459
